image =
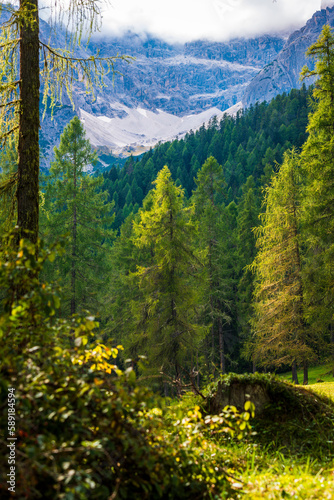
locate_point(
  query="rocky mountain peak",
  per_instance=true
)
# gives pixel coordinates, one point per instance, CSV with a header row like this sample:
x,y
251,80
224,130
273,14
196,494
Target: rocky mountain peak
x,y
283,73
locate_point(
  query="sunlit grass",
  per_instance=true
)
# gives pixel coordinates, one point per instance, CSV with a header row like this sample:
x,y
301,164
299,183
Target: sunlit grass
x,y
315,374
324,388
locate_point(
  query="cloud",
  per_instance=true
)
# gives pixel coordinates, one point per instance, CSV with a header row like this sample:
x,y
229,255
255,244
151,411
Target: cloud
x,y
186,20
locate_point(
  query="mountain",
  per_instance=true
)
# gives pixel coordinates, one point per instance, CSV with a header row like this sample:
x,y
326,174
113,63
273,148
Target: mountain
x,y
189,78
166,91
282,74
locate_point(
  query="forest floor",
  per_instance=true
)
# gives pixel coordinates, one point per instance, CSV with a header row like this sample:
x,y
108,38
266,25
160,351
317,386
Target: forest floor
x,y
274,471
290,454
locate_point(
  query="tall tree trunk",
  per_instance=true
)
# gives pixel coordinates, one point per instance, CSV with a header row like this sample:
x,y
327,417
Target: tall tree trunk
x,y
28,147
305,366
74,242
294,373
332,345
221,347
73,271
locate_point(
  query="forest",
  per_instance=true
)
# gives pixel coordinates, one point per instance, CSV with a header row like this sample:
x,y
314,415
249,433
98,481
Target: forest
x,y
152,313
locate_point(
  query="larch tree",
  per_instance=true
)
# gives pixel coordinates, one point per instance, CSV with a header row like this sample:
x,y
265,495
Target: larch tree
x,y
280,335
20,94
75,204
166,325
318,204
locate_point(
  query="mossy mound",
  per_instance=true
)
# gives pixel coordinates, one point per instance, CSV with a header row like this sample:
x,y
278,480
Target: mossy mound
x,y
286,416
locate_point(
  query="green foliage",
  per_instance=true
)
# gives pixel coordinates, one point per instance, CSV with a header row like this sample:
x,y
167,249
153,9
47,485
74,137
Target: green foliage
x,y
75,205
318,206
293,420
82,431
280,332
210,214
248,144
165,315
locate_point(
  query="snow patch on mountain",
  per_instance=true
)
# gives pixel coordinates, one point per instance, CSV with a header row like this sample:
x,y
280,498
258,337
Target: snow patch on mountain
x,y
142,129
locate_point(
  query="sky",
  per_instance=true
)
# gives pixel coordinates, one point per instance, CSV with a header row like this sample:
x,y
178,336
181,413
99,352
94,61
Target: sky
x,y
187,20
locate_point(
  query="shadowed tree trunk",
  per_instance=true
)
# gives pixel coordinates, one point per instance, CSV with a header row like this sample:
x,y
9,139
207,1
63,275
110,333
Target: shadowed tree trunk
x,y
305,366
221,346
28,147
294,373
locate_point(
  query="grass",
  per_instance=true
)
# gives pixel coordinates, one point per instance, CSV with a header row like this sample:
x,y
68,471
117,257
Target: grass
x,y
315,374
325,389
292,455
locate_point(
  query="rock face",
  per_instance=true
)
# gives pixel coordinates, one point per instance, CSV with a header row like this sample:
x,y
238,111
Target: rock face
x,y
237,393
282,74
176,79
190,78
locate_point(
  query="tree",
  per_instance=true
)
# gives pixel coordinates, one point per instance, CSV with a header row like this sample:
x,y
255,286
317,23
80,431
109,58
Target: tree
x,y
209,210
74,203
280,332
247,220
166,330
318,204
20,95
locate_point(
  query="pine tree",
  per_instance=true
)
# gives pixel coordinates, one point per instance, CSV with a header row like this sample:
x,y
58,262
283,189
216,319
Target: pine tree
x,y
75,204
165,329
280,332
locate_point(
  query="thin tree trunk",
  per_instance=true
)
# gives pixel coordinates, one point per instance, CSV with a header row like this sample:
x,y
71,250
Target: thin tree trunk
x,y
221,347
332,345
166,389
305,366
28,146
254,366
294,373
74,243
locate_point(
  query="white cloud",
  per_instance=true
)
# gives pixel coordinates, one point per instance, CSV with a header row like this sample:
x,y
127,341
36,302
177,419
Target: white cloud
x,y
185,20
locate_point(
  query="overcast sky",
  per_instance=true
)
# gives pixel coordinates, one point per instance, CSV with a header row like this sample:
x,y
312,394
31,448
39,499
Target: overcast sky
x,y
185,20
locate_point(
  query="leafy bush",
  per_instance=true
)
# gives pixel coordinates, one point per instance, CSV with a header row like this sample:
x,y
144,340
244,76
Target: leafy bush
x,y
84,429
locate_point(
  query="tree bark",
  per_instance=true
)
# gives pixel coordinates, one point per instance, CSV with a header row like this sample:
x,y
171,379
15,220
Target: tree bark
x,y
294,373
332,345
305,367
29,123
221,347
74,242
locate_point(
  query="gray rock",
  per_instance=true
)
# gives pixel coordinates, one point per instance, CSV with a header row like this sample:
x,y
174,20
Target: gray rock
x,y
283,73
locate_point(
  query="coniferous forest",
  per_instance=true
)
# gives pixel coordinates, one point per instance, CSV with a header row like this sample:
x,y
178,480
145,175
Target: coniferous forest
x,y
152,314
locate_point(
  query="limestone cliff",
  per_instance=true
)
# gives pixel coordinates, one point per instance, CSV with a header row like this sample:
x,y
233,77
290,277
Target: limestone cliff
x,y
282,74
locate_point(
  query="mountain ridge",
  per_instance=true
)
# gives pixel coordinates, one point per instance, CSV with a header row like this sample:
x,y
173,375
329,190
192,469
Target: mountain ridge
x,y
283,73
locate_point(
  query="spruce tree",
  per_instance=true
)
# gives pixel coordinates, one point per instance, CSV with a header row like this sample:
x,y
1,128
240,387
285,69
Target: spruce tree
x,y
209,211
76,206
247,221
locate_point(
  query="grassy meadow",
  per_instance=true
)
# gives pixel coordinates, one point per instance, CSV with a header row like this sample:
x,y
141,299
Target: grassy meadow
x,y
289,452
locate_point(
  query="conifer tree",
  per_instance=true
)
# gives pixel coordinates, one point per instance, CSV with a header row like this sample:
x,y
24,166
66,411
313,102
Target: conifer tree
x,y
20,95
209,210
318,203
166,331
280,332
74,204
247,220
